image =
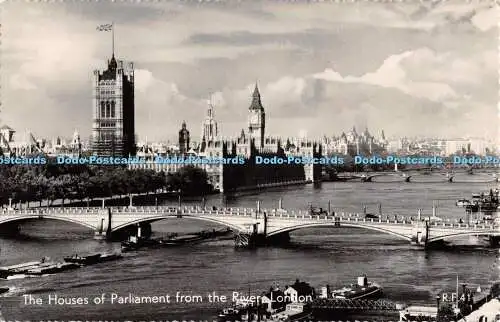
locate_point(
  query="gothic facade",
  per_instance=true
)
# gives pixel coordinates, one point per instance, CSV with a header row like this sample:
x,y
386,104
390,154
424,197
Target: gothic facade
x,y
113,129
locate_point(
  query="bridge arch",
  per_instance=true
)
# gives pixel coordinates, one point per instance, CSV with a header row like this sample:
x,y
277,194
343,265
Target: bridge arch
x,y
161,217
343,224
50,217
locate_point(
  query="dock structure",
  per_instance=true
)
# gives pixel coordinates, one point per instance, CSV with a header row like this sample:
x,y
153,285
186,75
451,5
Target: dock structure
x,y
358,305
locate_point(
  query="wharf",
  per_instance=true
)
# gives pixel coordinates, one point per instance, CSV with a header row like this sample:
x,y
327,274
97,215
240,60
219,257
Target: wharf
x,y
379,305
355,309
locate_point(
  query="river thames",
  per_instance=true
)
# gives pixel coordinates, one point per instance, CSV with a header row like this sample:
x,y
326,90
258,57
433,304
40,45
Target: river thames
x,y
334,256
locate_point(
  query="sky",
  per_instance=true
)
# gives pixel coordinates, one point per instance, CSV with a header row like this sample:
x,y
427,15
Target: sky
x,y
411,69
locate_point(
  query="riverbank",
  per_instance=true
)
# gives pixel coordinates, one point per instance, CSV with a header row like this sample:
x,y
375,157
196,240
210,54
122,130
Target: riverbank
x,y
138,199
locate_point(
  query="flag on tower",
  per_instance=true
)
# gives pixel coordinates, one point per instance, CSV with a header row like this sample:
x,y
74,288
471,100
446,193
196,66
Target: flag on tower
x,y
105,27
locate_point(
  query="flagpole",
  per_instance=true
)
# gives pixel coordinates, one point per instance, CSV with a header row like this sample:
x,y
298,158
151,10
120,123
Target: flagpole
x,y
113,38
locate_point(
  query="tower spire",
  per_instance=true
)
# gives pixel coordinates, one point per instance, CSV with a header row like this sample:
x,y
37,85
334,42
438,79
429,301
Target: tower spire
x,y
256,92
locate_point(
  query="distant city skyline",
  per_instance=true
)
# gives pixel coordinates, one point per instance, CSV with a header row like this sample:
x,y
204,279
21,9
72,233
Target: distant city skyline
x,y
416,69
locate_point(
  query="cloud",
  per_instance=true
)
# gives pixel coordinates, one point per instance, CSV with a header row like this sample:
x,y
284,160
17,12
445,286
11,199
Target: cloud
x,y
421,73
320,67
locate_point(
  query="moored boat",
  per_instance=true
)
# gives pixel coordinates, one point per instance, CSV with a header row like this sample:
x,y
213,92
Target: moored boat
x,y
362,290
86,260
21,269
229,314
52,268
4,290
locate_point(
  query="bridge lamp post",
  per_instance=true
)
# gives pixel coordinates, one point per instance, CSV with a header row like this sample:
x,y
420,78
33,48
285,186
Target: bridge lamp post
x,y
179,197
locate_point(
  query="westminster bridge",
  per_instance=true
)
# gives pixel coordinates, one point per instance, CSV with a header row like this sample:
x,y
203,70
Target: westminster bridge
x,y
249,224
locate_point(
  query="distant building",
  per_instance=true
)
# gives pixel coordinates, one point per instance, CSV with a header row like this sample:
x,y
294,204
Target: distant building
x,y
6,139
183,139
113,129
209,130
352,143
245,147
274,300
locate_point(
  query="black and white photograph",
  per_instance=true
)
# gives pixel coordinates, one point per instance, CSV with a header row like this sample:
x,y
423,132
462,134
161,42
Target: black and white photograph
x,y
238,160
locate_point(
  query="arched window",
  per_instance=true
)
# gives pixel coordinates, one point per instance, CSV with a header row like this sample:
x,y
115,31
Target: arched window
x,y
113,109
108,109
483,319
102,110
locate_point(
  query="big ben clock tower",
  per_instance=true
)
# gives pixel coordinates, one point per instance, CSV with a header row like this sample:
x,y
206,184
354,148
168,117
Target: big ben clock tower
x,y
256,119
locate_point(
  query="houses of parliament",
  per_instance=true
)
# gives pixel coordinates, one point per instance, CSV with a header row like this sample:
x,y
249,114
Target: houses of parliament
x,y
249,144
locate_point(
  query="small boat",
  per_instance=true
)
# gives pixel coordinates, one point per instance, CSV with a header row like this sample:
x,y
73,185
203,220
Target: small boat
x,y
52,268
229,314
4,290
110,257
134,243
85,260
462,202
362,290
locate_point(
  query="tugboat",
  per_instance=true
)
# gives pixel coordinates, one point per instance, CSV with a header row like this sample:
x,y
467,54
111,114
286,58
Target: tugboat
x,y
362,290
134,243
85,260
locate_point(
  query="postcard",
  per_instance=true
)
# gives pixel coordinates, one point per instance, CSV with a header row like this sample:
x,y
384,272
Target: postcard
x,y
249,161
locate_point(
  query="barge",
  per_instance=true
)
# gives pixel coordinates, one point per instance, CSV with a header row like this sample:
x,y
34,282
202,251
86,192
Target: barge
x,y
35,268
84,260
92,258
136,243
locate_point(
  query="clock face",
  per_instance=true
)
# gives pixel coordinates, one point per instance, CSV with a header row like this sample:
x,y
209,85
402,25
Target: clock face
x,y
254,118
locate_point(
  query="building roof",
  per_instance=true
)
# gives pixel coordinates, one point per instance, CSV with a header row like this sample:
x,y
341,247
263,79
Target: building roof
x,y
302,288
488,309
6,127
256,103
274,294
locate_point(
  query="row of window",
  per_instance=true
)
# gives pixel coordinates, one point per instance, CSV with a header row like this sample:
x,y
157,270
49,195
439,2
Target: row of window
x,y
107,109
108,124
105,92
